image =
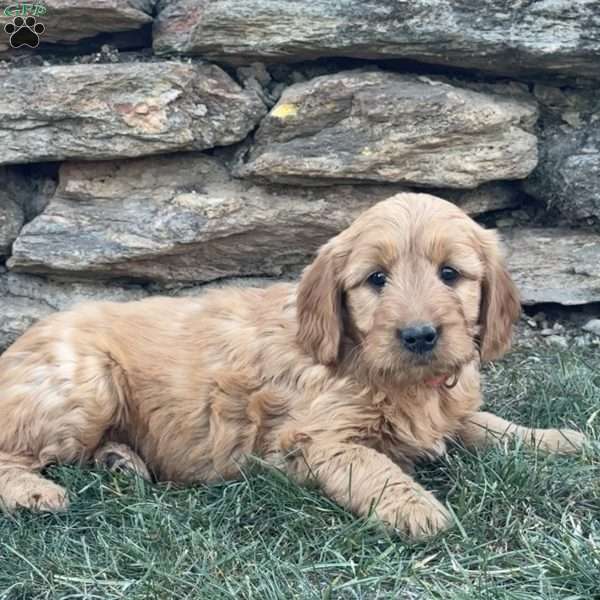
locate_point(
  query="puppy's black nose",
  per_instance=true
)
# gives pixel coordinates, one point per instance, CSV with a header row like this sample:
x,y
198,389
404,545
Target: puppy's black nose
x,y
419,338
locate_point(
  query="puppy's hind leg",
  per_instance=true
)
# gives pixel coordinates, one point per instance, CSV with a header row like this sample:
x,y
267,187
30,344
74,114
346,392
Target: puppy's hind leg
x,y
485,429
121,458
57,403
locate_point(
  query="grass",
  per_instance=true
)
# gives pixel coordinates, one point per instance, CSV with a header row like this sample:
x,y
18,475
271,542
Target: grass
x,y
527,525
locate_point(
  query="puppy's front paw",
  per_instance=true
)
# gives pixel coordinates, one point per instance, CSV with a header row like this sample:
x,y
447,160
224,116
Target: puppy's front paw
x,y
34,493
418,517
561,441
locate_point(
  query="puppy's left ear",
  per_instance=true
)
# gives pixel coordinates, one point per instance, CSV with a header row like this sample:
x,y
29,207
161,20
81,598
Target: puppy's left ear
x,y
319,306
500,303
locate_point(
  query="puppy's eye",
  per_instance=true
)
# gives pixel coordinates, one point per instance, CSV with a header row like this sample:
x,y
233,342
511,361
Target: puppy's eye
x,y
449,275
377,279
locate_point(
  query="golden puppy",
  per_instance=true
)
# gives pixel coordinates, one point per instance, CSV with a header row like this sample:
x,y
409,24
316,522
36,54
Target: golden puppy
x,y
370,363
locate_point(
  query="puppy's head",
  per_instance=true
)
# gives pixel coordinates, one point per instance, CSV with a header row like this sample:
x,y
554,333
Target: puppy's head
x,y
413,288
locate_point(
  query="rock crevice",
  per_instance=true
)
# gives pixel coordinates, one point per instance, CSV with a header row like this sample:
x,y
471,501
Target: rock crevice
x,y
126,173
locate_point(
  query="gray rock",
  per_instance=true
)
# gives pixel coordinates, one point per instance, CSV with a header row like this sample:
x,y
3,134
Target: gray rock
x,y
366,125
497,195
11,221
568,176
121,110
554,265
25,299
38,188
194,291
593,326
182,218
24,193
558,37
73,20
62,295
558,341
17,315
11,213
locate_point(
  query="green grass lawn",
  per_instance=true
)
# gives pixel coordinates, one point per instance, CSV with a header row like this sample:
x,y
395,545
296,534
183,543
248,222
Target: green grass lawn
x,y
527,525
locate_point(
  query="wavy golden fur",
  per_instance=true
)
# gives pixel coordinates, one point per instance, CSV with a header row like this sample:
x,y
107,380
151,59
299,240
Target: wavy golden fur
x,y
311,377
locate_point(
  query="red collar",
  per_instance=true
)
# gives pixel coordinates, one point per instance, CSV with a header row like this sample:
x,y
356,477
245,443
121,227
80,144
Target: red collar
x,y
448,381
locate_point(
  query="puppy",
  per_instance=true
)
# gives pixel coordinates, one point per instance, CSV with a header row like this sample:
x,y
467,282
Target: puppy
x,y
367,365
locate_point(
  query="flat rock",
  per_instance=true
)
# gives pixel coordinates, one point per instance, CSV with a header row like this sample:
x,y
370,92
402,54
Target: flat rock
x,y
497,195
121,110
366,125
182,218
554,265
25,299
73,20
555,37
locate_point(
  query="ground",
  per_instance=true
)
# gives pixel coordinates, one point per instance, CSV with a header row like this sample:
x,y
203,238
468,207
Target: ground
x,y
526,525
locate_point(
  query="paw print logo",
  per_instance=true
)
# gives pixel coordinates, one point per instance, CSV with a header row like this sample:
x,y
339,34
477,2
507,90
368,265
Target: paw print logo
x,y
24,32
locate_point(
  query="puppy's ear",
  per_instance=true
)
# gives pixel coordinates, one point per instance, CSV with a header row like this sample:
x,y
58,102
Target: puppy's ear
x,y
319,306
500,304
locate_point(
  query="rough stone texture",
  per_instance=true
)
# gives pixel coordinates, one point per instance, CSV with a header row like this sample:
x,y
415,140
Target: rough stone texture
x,y
17,315
11,214
557,37
376,126
73,20
23,195
554,265
593,326
11,221
183,218
121,110
497,195
61,295
25,299
568,176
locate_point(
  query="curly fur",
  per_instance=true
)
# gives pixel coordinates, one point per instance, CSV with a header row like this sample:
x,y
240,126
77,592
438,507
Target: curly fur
x,y
311,376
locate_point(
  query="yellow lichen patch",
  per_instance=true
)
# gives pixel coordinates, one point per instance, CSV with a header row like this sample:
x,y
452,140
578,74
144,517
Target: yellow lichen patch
x,y
285,110
366,151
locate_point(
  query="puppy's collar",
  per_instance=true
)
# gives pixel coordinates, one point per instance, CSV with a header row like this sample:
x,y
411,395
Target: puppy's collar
x,y
448,381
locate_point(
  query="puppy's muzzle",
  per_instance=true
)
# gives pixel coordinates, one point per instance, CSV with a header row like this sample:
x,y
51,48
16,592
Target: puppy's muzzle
x,y
419,339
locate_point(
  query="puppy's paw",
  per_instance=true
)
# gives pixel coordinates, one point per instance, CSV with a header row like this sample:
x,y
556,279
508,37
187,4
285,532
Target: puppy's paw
x,y
420,517
34,493
121,458
561,441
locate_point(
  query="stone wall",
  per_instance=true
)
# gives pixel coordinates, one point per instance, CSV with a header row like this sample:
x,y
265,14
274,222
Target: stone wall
x,y
156,147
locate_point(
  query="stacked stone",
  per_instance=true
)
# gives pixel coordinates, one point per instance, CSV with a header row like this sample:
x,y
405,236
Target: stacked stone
x,y
218,139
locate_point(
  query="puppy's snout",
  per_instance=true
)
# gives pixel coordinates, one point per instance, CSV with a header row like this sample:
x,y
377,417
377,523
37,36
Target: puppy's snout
x,y
420,338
